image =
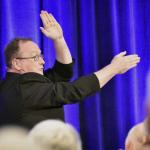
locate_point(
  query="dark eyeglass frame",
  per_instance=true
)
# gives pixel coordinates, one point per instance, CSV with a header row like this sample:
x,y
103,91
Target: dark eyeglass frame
x,y
36,57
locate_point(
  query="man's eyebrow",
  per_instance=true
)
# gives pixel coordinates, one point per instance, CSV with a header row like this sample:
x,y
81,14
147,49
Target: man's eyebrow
x,y
35,52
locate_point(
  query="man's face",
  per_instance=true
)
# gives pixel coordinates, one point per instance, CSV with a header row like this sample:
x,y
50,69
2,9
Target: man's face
x,y
29,57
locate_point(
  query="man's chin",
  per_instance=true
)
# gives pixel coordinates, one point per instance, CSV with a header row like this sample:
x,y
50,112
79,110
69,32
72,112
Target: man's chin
x,y
40,72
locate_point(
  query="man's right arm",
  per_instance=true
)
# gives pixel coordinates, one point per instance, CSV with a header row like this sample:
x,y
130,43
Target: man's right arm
x,y
60,72
63,68
52,29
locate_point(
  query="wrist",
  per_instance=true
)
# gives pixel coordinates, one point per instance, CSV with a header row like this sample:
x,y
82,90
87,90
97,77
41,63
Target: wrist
x,y
114,68
58,39
60,43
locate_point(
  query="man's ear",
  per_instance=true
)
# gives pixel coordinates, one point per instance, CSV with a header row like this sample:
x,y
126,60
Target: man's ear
x,y
16,64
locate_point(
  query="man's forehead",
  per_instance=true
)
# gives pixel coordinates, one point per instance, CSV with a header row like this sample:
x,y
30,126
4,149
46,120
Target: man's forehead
x,y
29,47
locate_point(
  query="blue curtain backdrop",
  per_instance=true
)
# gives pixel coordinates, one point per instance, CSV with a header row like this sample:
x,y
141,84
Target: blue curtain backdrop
x,y
95,31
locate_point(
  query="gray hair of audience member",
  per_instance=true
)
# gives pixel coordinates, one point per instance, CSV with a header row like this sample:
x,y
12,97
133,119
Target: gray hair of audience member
x,y
15,138
55,135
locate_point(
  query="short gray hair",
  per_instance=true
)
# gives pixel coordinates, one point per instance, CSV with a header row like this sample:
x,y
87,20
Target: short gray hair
x,y
15,138
55,135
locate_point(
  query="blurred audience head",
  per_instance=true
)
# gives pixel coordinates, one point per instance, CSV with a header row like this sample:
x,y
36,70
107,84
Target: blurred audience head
x,y
15,138
138,137
55,135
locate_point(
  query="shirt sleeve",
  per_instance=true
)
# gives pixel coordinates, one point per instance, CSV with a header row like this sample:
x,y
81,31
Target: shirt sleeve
x,y
60,72
39,92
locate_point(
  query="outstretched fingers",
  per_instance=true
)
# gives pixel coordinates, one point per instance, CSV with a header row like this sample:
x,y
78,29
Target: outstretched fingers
x,y
132,66
45,18
132,58
52,18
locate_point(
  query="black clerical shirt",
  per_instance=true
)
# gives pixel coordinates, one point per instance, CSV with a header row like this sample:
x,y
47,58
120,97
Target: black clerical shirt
x,y
26,99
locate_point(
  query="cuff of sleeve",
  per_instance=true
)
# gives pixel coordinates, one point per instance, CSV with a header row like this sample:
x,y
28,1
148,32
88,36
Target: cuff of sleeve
x,y
88,84
59,64
65,70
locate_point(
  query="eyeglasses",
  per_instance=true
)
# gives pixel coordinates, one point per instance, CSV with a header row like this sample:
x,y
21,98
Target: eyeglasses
x,y
36,57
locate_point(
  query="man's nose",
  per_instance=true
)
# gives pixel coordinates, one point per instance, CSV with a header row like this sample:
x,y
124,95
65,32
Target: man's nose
x,y
42,61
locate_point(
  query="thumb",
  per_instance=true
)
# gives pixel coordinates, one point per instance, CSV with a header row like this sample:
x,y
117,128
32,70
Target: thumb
x,y
43,31
121,54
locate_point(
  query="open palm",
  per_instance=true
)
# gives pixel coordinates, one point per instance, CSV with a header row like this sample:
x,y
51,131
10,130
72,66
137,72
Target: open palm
x,y
51,27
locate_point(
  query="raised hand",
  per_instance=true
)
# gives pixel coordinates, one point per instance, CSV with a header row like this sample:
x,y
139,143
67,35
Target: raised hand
x,y
119,64
51,27
124,63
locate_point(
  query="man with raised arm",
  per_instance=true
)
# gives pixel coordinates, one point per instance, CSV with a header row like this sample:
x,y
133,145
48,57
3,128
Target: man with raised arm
x,y
28,95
